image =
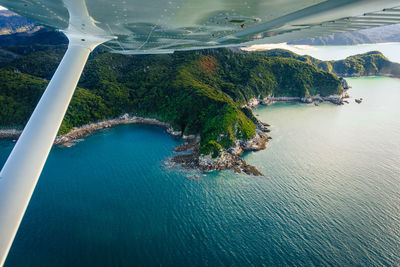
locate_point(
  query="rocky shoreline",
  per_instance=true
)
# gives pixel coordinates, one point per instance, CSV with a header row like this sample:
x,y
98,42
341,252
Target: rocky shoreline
x,y
80,132
187,154
334,99
338,99
190,158
10,133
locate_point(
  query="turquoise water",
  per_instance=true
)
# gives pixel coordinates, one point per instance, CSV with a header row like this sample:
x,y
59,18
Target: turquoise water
x,y
331,195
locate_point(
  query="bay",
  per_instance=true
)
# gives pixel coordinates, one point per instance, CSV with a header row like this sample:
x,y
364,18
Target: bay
x,y
331,195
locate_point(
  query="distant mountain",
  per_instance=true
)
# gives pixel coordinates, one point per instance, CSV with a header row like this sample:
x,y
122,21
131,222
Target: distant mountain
x,y
372,63
19,36
15,45
385,34
16,30
11,22
43,36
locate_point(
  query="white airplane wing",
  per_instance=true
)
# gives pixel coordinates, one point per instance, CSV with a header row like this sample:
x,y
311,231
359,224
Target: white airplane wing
x,y
148,27
162,26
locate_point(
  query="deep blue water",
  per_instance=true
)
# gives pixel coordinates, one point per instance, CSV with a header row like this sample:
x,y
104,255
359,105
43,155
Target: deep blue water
x,y
331,195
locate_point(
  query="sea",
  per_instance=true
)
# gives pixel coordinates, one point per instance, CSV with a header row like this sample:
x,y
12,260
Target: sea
x,y
330,195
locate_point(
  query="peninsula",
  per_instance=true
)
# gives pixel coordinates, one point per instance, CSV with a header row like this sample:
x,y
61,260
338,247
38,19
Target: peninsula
x,y
204,96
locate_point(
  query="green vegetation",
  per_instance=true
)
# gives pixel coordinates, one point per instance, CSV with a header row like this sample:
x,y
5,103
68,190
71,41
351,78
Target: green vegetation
x,y
367,64
19,94
201,92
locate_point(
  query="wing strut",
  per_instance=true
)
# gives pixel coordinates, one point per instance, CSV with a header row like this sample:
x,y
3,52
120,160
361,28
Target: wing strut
x,y
20,173
22,169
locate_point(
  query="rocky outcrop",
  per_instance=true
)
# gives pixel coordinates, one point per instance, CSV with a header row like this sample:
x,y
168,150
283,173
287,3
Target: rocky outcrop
x,y
259,142
344,83
335,99
253,102
10,133
227,161
190,158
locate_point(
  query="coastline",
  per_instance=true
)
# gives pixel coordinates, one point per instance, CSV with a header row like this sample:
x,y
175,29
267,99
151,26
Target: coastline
x,y
76,133
190,158
186,155
10,133
70,138
269,100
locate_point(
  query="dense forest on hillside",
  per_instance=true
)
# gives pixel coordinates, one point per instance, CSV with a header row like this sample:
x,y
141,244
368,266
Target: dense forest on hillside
x,y
369,64
196,92
199,92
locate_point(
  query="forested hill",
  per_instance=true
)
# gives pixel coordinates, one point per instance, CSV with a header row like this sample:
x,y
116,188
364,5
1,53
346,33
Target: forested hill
x,y
197,92
368,64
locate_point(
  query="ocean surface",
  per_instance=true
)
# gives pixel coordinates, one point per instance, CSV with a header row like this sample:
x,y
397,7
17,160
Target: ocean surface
x,y
331,195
